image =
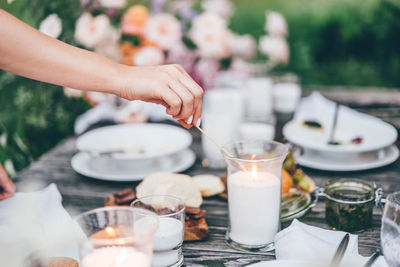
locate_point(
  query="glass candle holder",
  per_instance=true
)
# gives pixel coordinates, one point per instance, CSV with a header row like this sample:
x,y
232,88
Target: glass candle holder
x,y
117,237
254,193
168,238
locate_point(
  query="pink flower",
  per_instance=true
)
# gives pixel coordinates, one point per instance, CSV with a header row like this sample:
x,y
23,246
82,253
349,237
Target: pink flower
x,y
221,7
51,26
163,29
242,45
180,54
206,70
148,56
90,31
210,34
241,66
275,48
275,24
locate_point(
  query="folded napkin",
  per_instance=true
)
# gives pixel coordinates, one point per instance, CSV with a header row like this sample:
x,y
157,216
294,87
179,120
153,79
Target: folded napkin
x,y
304,242
36,223
317,107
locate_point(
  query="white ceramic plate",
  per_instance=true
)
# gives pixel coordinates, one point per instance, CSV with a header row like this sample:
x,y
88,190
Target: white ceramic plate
x,y
98,168
286,263
347,161
138,141
375,133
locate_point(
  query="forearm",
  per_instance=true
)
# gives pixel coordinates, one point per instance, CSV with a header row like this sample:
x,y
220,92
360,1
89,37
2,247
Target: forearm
x,y
27,52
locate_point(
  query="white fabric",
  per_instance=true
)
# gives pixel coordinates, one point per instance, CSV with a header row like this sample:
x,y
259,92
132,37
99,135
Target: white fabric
x,y
36,223
304,242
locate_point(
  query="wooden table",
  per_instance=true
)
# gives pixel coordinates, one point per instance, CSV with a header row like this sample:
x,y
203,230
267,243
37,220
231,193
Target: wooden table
x,y
82,194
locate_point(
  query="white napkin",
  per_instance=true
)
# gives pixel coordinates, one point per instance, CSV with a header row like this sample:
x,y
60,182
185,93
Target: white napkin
x,y
304,242
317,107
36,222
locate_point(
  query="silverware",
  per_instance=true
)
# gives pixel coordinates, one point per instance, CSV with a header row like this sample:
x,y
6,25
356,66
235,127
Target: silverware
x,y
331,140
337,258
372,259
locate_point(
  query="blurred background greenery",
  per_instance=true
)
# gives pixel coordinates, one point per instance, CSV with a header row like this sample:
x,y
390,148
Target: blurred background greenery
x,y
332,42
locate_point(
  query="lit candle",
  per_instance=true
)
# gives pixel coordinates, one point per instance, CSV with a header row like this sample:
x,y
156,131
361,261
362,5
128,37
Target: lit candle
x,y
254,206
116,257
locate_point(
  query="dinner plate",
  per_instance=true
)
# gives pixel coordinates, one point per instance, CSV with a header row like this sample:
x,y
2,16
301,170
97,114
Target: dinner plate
x,y
136,141
93,167
347,161
286,263
373,132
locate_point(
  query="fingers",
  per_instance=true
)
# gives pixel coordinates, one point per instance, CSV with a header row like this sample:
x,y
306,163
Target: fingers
x,y
189,86
172,100
188,103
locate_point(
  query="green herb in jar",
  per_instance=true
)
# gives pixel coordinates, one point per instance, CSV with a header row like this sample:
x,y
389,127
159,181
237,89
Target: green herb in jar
x,y
349,205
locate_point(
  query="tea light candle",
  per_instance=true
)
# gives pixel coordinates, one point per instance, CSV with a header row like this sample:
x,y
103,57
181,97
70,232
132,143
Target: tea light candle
x,y
254,206
168,235
116,257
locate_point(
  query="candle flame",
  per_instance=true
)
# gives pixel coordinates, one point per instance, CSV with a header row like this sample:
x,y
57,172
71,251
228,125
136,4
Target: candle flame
x,y
110,232
254,173
253,157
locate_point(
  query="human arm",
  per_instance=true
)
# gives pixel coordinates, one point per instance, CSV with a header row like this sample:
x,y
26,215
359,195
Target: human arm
x,y
29,53
7,188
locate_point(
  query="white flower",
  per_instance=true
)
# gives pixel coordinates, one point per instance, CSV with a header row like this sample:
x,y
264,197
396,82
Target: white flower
x,y
10,1
242,45
70,92
207,69
275,24
90,31
210,34
180,54
221,7
209,21
148,56
164,30
113,3
109,47
275,48
51,26
241,66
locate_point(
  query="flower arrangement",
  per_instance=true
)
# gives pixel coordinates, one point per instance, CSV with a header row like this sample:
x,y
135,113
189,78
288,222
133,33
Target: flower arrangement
x,y
195,35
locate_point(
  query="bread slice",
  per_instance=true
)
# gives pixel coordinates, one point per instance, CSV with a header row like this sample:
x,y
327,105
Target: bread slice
x,y
209,185
178,185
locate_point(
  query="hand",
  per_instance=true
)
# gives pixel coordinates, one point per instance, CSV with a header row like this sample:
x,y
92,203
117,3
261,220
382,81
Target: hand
x,y
7,188
168,85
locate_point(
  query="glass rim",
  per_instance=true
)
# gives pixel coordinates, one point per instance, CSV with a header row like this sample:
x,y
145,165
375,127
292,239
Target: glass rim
x,y
183,209
280,155
339,183
393,196
114,208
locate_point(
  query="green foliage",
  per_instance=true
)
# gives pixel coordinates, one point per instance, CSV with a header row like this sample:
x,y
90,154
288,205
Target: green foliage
x,y
334,42
35,116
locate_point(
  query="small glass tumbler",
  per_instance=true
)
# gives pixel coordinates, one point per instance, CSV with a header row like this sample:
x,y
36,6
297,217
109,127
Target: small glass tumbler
x,y
254,193
117,236
168,239
390,232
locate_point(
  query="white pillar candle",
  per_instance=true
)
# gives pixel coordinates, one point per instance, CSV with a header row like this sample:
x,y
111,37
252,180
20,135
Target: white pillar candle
x,y
254,207
257,130
116,257
258,94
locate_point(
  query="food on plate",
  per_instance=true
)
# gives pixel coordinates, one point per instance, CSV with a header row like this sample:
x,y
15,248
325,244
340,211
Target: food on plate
x,y
286,181
209,185
313,124
357,140
300,180
166,183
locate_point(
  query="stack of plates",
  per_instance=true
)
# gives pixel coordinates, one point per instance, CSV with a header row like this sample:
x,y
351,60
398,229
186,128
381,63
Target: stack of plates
x,y
132,151
377,137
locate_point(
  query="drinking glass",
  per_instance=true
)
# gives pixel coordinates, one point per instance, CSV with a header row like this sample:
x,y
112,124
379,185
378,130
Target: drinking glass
x,y
390,231
254,193
117,236
168,238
